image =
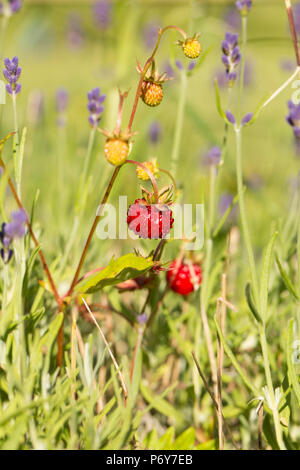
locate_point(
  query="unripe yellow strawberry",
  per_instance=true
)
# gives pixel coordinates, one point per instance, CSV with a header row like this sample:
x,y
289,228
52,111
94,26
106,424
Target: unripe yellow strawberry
x,y
151,166
192,48
116,151
151,93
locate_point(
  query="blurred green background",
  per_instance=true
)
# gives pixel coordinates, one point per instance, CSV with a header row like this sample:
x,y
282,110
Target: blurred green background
x,y
60,44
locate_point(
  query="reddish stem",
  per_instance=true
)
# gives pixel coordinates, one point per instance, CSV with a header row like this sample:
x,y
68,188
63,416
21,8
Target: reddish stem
x,y
42,257
94,226
293,29
120,111
146,67
151,176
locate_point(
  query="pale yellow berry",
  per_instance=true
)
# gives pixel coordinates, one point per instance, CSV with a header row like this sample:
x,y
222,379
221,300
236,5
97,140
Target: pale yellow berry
x,y
151,166
192,48
116,151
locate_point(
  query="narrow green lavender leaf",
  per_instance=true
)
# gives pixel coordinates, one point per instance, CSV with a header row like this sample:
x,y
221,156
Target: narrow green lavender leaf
x,y
218,101
293,376
234,362
265,277
160,404
251,304
287,282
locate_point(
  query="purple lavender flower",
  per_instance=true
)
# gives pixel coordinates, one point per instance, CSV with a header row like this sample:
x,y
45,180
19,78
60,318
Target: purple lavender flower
x,y
297,17
225,202
11,7
36,106
223,81
287,65
192,65
102,13
293,118
212,157
246,119
179,65
154,132
10,231
168,69
95,100
244,6
12,74
149,33
231,56
75,33
232,18
15,5
61,101
142,319
230,117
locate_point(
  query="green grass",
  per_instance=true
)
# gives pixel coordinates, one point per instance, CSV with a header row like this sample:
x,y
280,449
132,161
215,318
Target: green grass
x,y
168,406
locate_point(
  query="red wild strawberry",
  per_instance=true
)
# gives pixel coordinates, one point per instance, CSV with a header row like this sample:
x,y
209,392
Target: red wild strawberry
x,y
184,278
149,220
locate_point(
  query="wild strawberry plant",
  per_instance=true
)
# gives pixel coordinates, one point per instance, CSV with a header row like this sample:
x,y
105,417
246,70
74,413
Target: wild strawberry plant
x,y
147,343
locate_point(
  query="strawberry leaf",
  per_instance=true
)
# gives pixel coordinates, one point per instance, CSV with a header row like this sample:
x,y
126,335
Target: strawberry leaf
x,y
118,270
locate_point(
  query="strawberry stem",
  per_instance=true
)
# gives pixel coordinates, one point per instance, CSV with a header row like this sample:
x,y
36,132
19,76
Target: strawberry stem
x,y
93,228
151,176
293,29
145,69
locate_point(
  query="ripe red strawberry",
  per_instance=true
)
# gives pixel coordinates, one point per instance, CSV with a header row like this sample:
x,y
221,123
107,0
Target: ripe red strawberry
x,y
149,220
151,93
184,279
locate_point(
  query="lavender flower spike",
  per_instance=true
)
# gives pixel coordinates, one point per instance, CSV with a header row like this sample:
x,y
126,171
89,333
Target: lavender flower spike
x,y
11,7
212,156
293,118
95,100
62,101
14,5
12,74
10,231
231,56
246,119
244,6
102,10
230,117
154,132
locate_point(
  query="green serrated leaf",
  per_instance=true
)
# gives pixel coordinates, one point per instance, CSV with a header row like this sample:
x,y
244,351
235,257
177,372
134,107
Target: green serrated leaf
x,y
118,270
